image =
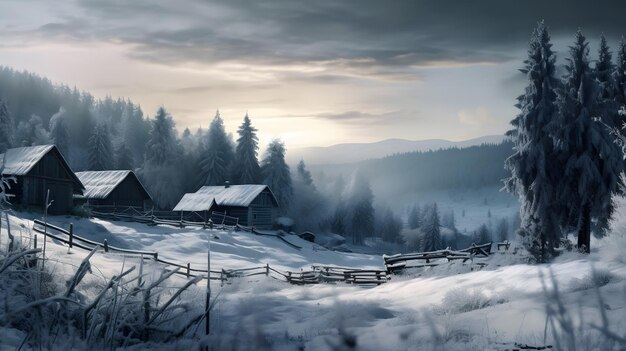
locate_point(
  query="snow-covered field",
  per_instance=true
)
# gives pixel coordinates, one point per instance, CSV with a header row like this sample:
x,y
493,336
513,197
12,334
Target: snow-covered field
x,y
447,308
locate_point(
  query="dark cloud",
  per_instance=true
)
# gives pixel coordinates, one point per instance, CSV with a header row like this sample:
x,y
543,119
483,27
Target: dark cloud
x,y
358,38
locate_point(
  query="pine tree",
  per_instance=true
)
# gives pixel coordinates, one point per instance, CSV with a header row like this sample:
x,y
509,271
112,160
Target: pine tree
x,y
503,230
218,154
160,172
246,169
276,175
592,161
303,175
431,230
100,149
483,236
124,158
59,133
390,227
533,165
161,148
619,78
603,71
6,127
361,209
415,217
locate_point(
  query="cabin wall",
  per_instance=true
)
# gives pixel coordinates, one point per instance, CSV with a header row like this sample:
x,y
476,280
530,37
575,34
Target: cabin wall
x,y
127,194
48,174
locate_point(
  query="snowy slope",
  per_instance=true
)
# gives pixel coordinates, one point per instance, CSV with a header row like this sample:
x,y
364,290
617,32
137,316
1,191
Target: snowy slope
x,y
448,308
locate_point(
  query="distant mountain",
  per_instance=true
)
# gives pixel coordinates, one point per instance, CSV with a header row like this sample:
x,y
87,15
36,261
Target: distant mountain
x,y
348,153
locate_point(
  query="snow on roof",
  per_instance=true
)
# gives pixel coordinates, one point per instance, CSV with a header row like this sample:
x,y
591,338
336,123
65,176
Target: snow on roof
x,y
195,202
99,184
21,160
234,195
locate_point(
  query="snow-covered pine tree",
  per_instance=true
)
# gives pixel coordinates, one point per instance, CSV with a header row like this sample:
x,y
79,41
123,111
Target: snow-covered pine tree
x,y
603,71
502,230
360,209
217,156
100,149
431,229
124,157
6,127
161,173
276,174
162,146
533,166
59,133
303,175
390,227
246,169
415,217
592,160
619,79
483,235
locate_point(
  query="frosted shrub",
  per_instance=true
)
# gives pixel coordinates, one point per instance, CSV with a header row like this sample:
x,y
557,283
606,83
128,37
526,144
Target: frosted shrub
x,y
597,279
461,300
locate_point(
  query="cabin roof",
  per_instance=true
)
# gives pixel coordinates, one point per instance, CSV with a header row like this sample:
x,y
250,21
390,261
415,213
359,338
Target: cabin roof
x,y
235,195
100,184
19,161
195,202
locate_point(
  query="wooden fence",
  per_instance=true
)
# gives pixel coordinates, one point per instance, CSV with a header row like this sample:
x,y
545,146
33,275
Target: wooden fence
x,y
318,274
397,263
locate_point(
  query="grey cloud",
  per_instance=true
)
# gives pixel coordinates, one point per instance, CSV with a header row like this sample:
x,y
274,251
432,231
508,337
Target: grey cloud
x,y
358,38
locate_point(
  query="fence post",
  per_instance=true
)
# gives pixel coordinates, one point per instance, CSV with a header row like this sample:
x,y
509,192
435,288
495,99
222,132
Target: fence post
x,y
189,268
71,234
267,269
106,246
222,277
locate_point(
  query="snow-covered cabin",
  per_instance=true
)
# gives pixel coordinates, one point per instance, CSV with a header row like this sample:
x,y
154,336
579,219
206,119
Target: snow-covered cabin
x,y
253,204
114,190
37,170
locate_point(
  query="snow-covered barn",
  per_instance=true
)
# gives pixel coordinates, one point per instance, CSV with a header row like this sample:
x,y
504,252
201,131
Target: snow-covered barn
x,y
37,170
114,190
253,204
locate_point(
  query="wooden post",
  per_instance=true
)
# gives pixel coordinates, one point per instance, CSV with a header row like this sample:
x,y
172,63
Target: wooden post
x,y
267,269
222,277
35,246
106,246
189,268
71,234
207,316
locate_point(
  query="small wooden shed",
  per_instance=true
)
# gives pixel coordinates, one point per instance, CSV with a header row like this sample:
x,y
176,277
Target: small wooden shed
x,y
114,190
253,205
39,169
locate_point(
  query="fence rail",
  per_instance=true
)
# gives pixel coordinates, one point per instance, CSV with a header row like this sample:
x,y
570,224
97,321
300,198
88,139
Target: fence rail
x,y
318,274
398,262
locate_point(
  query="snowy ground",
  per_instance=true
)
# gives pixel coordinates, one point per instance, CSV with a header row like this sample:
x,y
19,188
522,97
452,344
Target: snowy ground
x,y
446,308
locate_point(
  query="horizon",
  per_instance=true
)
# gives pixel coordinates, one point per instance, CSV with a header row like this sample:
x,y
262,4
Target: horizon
x,y
316,75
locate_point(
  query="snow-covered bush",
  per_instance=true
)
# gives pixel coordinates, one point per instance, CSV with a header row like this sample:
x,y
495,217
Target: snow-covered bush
x,y
459,300
596,279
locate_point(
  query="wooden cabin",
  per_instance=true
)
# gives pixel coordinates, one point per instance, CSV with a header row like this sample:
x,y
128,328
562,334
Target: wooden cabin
x,y
37,170
114,190
253,205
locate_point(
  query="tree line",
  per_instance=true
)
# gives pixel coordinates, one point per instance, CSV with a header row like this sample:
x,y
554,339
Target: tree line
x,y
566,165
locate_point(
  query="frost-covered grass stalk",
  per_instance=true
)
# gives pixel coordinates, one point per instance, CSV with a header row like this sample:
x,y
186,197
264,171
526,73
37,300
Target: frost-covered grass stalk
x,y
128,309
568,328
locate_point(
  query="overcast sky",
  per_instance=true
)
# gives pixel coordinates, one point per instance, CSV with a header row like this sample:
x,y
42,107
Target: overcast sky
x,y
313,73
